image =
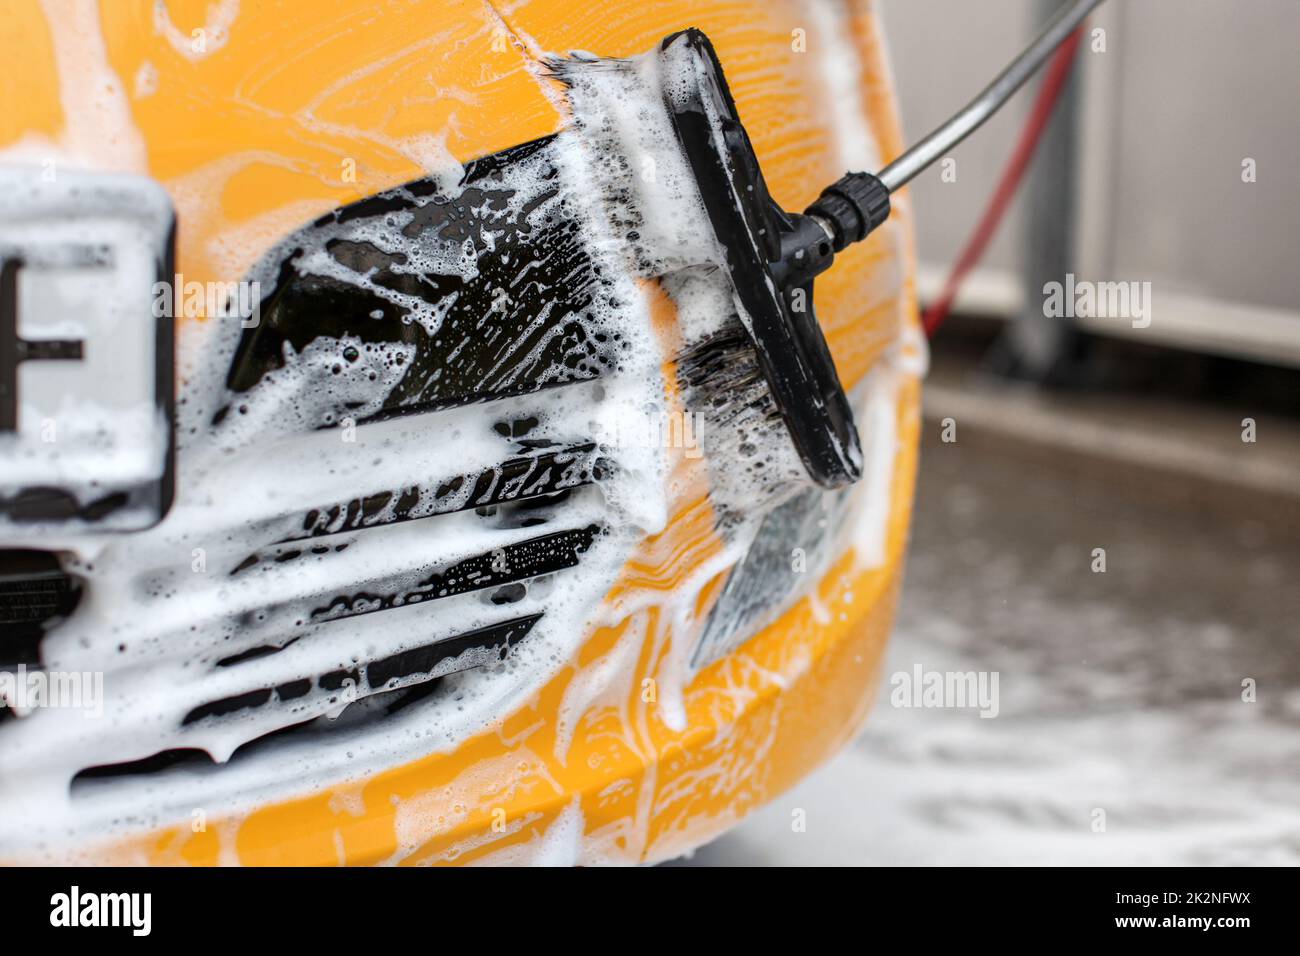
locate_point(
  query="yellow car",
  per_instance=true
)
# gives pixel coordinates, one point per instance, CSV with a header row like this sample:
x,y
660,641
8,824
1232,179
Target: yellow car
x,y
388,476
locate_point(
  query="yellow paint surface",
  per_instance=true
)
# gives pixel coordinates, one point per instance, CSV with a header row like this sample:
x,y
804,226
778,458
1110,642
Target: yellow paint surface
x,y
301,105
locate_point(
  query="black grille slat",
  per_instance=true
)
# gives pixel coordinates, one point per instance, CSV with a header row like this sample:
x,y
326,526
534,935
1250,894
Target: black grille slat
x,y
422,660
228,705
515,479
533,480
545,554
378,674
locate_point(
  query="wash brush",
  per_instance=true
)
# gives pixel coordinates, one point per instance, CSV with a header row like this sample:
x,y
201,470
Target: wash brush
x,y
338,277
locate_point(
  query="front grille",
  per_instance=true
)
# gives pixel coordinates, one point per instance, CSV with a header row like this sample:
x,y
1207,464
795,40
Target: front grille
x,y
345,656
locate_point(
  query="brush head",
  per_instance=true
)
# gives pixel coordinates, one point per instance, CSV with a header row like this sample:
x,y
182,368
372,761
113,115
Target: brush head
x,y
775,306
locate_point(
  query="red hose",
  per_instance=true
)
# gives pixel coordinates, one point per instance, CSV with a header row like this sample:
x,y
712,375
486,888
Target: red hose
x,y
1058,71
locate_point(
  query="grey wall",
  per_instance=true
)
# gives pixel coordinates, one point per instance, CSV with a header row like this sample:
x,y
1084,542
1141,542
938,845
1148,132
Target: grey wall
x,y
1184,91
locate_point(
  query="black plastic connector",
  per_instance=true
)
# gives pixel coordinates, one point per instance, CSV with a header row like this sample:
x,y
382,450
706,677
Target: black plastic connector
x,y
806,251
853,207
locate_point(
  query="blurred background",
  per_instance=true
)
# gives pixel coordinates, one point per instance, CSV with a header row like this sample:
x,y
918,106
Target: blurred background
x,y
1164,691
